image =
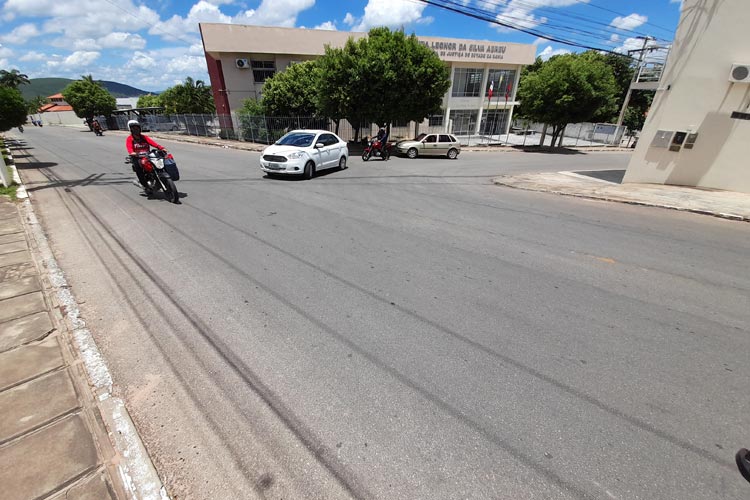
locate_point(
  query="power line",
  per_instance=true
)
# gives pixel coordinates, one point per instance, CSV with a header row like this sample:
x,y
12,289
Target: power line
x,y
571,36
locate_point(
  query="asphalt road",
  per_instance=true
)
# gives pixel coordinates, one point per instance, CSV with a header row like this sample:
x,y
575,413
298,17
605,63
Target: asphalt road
x,y
405,330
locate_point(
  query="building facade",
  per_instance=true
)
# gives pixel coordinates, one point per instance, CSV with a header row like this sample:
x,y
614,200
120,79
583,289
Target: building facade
x,y
698,129
240,58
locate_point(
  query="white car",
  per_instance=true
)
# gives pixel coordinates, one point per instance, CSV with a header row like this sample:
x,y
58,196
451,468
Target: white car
x,y
305,152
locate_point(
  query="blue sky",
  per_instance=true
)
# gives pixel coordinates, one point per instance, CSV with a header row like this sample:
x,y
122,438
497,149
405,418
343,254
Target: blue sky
x,y
153,44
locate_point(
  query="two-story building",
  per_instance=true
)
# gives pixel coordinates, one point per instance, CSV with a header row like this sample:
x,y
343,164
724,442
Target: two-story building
x,y
241,58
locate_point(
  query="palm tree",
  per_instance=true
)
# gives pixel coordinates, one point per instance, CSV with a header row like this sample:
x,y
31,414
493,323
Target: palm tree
x,y
13,78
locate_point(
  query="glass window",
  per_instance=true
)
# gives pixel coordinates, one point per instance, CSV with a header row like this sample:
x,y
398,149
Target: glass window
x,y
328,139
467,82
464,121
445,138
300,139
494,121
262,70
430,138
436,120
501,78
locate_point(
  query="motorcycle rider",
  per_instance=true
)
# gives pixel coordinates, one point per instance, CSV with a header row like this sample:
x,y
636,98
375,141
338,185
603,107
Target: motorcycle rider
x,y
139,143
382,139
97,127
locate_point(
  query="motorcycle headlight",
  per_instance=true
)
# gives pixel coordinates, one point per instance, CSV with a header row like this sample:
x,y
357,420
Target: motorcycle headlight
x,y
296,155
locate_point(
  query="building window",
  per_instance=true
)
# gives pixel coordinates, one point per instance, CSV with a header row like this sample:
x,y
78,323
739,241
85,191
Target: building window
x,y
501,78
464,121
262,70
436,120
467,82
494,122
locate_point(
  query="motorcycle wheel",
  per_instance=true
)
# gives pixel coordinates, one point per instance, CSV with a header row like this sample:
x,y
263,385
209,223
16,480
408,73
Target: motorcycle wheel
x,y
171,191
365,155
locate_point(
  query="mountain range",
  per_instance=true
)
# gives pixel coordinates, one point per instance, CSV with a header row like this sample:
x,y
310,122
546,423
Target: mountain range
x,y
49,86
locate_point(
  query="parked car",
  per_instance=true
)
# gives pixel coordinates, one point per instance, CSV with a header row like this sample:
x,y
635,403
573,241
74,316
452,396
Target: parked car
x,y
158,123
430,145
304,152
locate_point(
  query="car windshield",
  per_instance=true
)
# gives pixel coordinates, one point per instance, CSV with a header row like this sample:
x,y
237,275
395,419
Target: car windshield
x,y
420,137
301,140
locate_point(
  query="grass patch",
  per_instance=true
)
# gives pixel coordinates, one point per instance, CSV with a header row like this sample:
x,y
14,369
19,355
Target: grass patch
x,y
9,191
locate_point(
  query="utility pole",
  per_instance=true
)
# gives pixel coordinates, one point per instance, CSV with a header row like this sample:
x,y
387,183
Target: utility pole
x,y
625,103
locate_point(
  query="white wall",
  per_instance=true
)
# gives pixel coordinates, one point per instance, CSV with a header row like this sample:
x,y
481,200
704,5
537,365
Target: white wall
x,y
695,95
66,118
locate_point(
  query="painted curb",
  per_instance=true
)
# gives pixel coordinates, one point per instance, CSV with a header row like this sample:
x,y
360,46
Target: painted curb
x,y
137,472
722,215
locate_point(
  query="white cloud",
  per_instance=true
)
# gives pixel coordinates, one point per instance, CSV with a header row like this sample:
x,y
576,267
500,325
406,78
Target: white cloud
x,y
349,19
520,13
549,52
79,61
21,34
5,52
118,40
328,25
628,22
141,61
276,13
32,56
390,13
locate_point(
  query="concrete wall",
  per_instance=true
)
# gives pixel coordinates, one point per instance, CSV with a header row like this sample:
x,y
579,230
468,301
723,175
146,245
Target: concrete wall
x,y
66,118
695,96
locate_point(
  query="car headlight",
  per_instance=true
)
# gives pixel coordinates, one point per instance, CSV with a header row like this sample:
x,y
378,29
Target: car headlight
x,y
296,155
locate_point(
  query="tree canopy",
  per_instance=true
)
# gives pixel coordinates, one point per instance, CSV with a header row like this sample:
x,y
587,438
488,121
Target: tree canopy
x,y
12,108
382,78
12,78
569,88
191,96
149,101
89,98
293,92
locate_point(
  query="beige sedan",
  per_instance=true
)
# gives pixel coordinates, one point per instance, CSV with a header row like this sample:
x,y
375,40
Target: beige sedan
x,y
430,145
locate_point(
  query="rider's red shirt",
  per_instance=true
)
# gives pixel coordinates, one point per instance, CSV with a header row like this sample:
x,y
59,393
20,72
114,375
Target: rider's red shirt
x,y
140,145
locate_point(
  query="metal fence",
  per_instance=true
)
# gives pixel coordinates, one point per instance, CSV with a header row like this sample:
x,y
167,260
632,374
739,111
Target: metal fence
x,y
492,128
264,129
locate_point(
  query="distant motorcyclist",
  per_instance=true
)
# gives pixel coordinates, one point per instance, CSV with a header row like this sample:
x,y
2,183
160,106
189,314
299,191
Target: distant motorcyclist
x,y
97,127
139,143
382,140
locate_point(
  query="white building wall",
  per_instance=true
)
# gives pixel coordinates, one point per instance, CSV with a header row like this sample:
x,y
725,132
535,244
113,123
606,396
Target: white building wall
x,y
695,96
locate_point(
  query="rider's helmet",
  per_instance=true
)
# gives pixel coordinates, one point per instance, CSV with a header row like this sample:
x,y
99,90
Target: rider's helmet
x,y
134,123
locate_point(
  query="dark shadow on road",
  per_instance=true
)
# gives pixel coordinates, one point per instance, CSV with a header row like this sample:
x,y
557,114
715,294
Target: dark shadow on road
x,y
33,165
549,150
614,176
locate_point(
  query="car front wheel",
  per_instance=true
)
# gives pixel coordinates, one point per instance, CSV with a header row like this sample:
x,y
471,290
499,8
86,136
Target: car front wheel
x,y
412,153
452,153
342,163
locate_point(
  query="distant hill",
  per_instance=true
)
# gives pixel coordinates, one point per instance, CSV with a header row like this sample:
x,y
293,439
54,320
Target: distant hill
x,y
48,86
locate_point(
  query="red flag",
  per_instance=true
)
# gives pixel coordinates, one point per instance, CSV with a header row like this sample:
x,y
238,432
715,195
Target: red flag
x,y
507,91
492,86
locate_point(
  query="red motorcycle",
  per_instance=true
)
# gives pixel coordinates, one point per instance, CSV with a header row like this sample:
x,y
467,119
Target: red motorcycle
x,y
375,150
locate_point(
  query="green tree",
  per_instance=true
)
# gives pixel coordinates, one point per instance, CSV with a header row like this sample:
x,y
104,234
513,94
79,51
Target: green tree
x,y
293,92
191,96
252,107
569,88
12,108
12,78
382,78
33,104
149,101
89,98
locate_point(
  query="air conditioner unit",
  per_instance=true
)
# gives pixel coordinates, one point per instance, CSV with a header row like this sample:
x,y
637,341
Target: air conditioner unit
x,y
740,73
241,63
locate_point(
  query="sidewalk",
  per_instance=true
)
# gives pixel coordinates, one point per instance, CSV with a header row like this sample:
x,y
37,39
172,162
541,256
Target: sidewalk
x,y
605,185
54,437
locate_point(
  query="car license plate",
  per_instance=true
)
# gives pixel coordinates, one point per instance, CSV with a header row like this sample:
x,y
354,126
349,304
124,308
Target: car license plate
x,y
274,166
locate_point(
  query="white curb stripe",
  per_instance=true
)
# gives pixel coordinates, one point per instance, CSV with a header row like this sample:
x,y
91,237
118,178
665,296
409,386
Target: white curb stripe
x,y
136,470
